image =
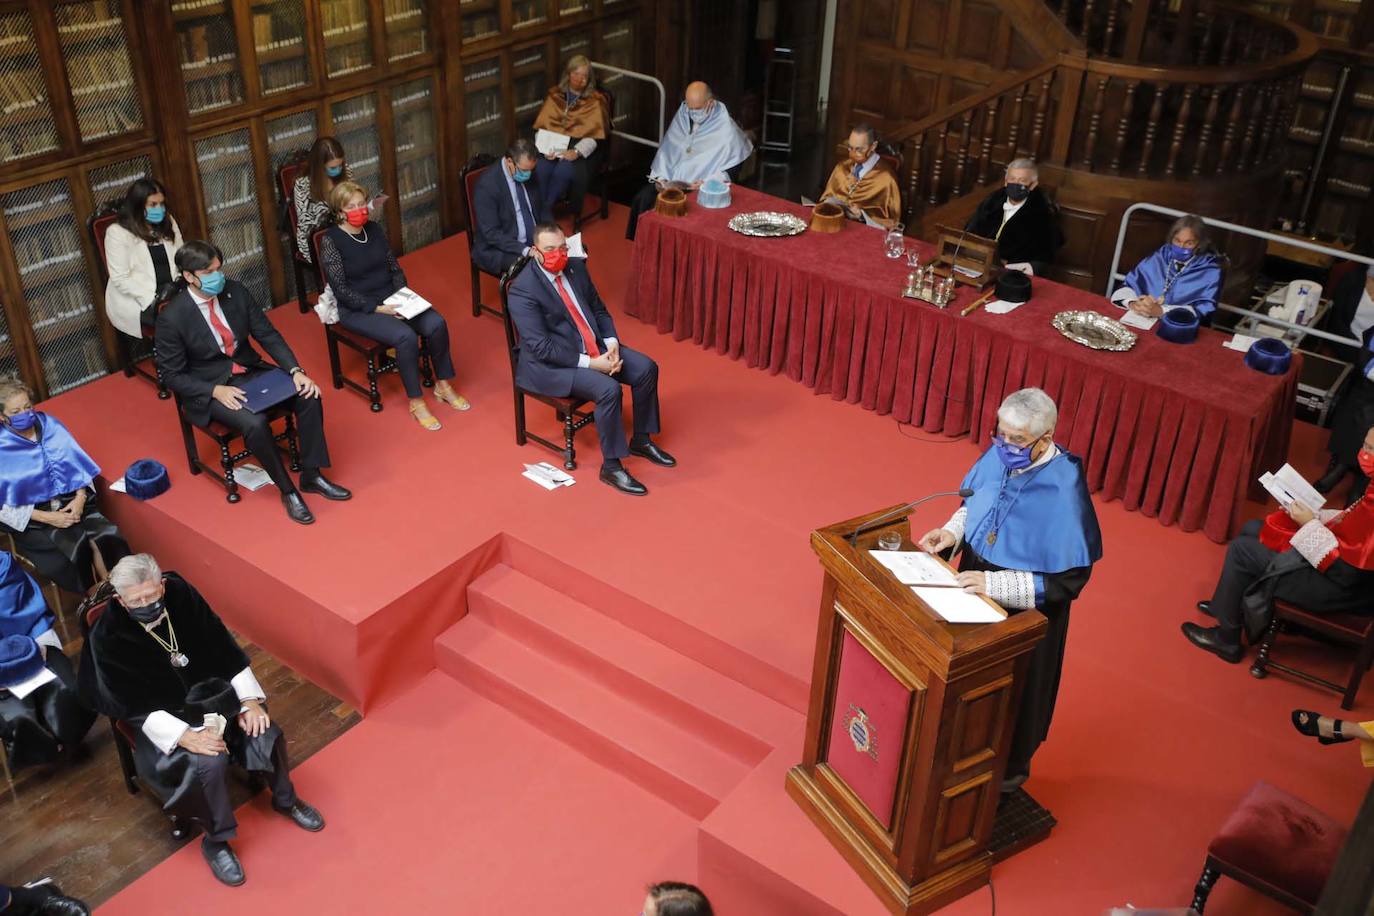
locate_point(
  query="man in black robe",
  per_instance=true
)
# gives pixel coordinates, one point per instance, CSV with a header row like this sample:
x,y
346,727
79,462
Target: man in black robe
x,y
1028,538
160,659
1021,219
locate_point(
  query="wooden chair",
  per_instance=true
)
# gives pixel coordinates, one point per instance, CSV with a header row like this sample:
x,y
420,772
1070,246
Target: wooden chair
x,y
570,411
1274,843
379,358
97,224
468,181
290,170
1355,630
223,436
124,732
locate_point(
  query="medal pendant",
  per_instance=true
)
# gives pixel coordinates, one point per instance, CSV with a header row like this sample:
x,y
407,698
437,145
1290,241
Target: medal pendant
x,y
992,538
179,660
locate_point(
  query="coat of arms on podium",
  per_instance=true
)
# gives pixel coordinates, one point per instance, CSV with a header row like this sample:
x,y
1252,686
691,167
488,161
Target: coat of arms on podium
x,y
862,732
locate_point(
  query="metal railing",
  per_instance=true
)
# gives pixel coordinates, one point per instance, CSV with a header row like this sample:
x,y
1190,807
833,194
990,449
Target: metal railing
x,y
662,103
1115,273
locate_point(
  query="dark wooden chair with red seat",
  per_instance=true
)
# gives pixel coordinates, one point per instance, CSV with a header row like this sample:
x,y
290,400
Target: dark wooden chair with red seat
x,y
97,224
468,181
570,412
124,733
287,174
229,457
379,358
1274,843
1355,630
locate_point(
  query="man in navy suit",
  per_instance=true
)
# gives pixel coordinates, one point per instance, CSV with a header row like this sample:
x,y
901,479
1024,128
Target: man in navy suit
x,y
507,207
205,337
569,348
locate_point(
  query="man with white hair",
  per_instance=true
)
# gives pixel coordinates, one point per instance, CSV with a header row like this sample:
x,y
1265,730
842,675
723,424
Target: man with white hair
x,y
1027,538
1021,219
160,659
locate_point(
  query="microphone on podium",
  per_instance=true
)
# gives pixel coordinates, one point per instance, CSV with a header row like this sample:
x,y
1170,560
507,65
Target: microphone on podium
x,y
884,520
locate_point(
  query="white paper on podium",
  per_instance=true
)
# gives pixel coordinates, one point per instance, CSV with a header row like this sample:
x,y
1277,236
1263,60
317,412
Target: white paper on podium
x,y
914,567
958,606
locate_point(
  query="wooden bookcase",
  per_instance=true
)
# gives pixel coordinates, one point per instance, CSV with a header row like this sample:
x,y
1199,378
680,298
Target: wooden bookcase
x,y
212,96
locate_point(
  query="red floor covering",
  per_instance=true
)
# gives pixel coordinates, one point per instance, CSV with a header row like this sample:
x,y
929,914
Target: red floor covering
x,y
507,793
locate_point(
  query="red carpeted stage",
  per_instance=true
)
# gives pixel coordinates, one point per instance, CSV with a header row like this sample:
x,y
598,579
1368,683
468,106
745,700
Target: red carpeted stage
x,y
570,694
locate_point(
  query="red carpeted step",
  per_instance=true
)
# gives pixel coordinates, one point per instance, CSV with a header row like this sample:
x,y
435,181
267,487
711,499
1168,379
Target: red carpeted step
x,y
710,705
653,752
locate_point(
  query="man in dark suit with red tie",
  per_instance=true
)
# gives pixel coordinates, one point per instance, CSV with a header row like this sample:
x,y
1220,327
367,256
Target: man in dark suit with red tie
x,y
569,347
205,337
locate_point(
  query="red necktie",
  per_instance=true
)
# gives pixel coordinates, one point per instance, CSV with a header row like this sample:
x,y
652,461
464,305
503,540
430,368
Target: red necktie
x,y
226,336
588,338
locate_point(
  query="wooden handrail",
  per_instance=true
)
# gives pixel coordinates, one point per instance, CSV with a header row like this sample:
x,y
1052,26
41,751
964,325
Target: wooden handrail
x,y
1010,84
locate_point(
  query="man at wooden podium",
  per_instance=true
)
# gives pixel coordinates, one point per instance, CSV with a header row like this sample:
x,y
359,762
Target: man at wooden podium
x,y
1028,538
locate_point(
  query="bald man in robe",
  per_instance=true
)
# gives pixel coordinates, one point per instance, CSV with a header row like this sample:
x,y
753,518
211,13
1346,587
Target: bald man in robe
x,y
702,140
863,183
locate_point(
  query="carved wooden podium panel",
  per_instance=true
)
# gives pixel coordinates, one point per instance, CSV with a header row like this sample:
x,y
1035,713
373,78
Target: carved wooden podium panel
x,y
909,726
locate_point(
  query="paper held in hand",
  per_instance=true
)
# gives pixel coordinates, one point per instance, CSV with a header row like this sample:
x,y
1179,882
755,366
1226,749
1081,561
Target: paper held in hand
x,y
548,141
1288,486
407,302
1137,320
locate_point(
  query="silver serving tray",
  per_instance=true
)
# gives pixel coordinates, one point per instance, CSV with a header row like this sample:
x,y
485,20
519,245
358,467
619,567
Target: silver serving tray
x,y
766,224
1094,330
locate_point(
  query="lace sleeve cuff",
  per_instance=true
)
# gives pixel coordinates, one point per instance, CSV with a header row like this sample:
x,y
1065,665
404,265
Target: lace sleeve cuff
x,y
1316,543
1013,588
1124,295
955,525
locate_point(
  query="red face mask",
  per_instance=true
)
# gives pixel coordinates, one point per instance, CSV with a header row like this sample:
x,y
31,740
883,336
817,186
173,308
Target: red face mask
x,y
1366,462
356,216
556,260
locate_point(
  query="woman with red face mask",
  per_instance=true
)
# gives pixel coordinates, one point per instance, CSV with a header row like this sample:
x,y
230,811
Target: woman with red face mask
x,y
1322,561
361,270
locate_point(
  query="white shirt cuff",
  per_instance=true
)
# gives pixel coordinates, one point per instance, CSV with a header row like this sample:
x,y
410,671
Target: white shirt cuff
x,y
1013,588
17,517
955,525
611,341
583,361
1124,295
50,639
1314,541
164,730
246,685
585,147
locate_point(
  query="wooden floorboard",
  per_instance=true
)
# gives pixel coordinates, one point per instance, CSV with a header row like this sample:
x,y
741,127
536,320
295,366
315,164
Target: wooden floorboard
x,y
80,826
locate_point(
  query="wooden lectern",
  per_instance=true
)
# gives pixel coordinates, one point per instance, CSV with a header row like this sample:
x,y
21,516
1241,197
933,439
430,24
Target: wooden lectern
x,y
908,729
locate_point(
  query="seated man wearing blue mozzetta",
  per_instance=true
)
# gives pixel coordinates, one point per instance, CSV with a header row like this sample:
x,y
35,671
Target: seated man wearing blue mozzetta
x,y
507,206
569,348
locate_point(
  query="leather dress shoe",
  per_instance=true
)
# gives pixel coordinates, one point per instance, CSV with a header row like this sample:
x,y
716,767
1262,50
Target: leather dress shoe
x,y
1209,639
322,485
653,453
1335,473
1206,608
50,901
296,508
304,816
622,481
223,862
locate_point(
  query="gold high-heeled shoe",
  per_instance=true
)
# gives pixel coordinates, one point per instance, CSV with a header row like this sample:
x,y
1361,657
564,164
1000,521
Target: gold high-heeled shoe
x,y
452,398
430,422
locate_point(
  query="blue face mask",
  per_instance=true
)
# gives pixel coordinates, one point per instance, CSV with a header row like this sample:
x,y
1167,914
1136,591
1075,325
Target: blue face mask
x,y
522,175
333,171
212,284
696,116
1014,457
23,420
155,215
1179,253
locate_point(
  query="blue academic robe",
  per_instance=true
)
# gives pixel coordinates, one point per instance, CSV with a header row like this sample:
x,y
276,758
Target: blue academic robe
x,y
23,612
694,153
1197,283
35,472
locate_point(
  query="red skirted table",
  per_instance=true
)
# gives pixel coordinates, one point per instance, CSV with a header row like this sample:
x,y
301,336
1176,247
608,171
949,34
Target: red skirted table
x,y
1178,432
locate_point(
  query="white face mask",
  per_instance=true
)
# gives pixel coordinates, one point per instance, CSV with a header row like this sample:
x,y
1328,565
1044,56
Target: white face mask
x,y
697,115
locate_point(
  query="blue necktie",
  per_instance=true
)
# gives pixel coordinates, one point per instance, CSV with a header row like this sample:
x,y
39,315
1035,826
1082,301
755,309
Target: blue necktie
x,y
523,196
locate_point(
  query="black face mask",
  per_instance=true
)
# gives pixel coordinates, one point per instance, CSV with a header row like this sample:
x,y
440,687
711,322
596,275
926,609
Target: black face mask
x,y
149,612
1017,192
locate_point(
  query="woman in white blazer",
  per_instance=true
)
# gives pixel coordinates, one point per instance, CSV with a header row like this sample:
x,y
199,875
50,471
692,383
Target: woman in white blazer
x,y
139,249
